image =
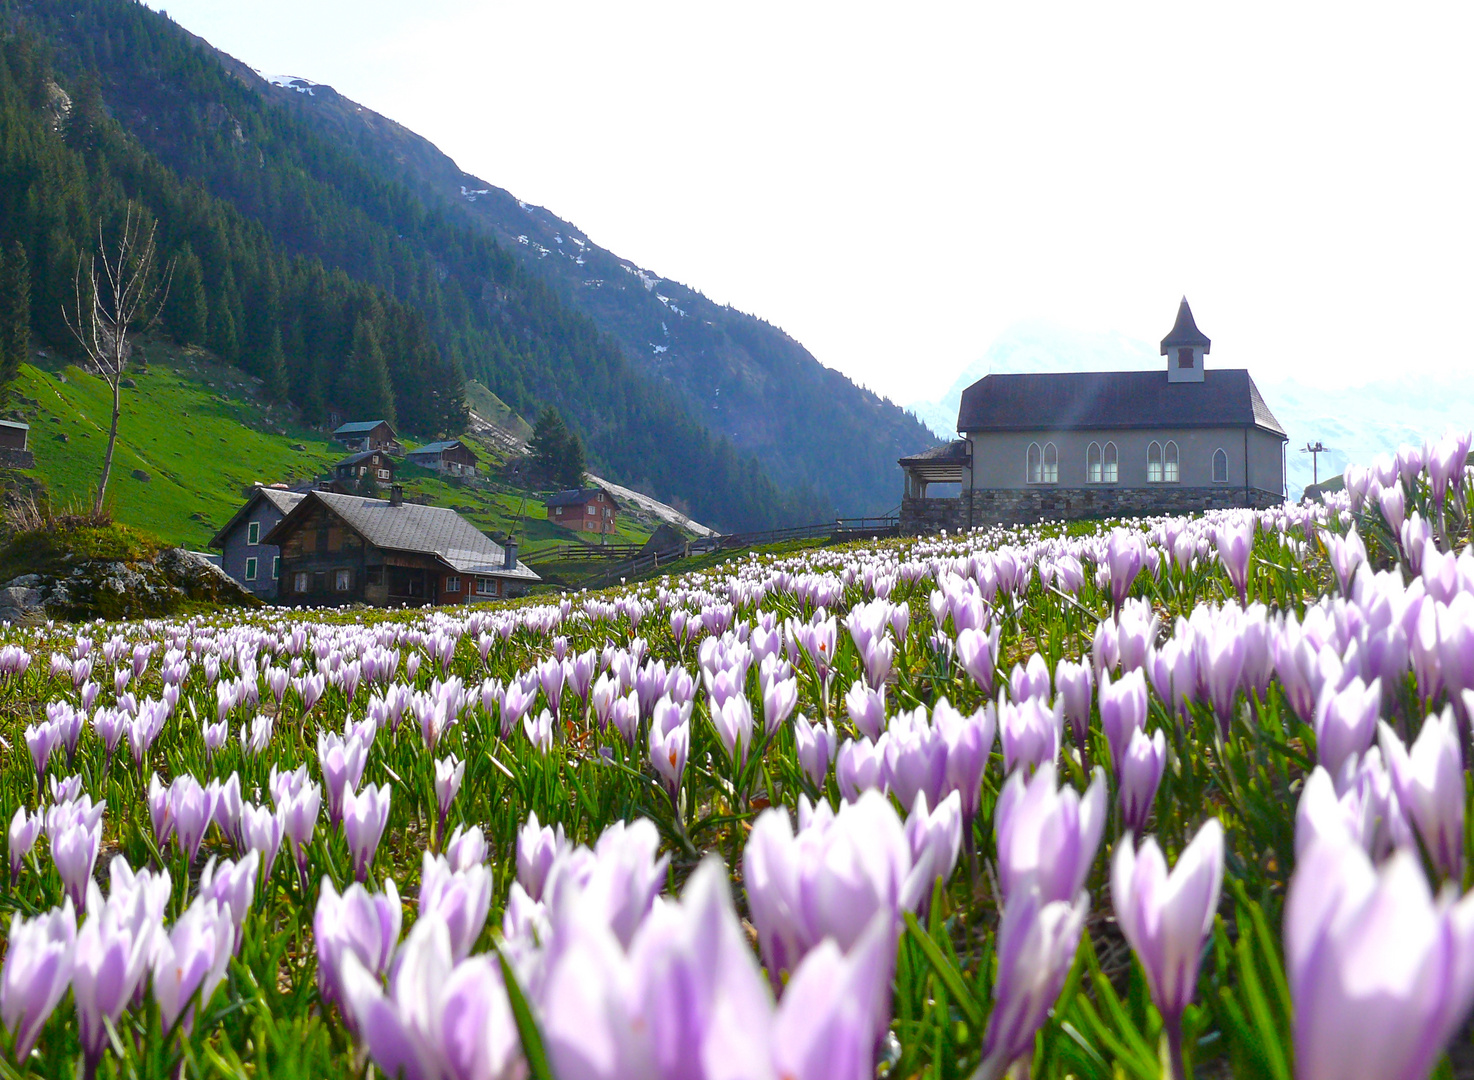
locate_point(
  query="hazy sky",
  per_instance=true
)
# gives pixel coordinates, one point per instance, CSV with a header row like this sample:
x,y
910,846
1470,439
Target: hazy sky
x,y
897,185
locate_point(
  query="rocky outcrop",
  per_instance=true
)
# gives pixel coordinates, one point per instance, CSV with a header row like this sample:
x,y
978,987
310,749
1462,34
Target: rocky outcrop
x,y
173,581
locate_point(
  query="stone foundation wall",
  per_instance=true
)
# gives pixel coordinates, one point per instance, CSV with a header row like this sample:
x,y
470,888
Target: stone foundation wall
x,y
17,459
1007,506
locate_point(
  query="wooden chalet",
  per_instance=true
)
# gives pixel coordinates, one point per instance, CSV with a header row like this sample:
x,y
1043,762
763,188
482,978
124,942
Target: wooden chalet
x,y
364,435
340,549
583,510
449,457
375,465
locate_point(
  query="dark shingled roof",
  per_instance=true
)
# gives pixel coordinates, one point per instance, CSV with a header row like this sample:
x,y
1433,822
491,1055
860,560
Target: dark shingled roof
x,y
361,427
428,530
362,455
1185,332
285,502
576,497
435,449
1081,400
947,453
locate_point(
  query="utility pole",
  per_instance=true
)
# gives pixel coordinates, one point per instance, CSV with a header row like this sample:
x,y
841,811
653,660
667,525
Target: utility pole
x,y
1314,450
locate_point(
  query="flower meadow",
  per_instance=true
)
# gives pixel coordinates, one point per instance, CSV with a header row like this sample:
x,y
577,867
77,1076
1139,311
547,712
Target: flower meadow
x,y
1170,797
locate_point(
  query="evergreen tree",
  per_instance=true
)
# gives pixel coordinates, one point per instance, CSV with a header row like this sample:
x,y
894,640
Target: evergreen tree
x,y
557,454
15,312
186,309
369,396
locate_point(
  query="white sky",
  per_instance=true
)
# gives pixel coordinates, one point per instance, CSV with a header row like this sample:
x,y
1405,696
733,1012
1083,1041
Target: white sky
x,y
895,185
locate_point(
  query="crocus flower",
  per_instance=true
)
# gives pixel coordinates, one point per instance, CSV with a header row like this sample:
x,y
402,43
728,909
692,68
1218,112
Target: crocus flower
x,y
112,955
1381,974
815,743
191,809
857,768
365,815
1347,553
1074,683
668,752
299,821
1029,732
1125,554
1047,836
1393,504
539,730
460,898
466,847
977,652
232,885
866,709
914,758
449,772
1429,782
342,762
25,829
538,847
1164,917
1138,775
363,923
733,722
74,853
1036,944
1346,722
1235,542
262,831
1123,706
935,837
38,969
969,743
779,699
191,957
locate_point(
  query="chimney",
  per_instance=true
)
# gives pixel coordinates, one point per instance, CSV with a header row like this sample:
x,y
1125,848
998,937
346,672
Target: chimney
x,y
509,556
396,495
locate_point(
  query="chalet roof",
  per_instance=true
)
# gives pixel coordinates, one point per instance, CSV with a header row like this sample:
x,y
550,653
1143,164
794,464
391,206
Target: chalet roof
x,y
362,455
1080,400
285,502
947,453
433,449
576,497
1185,332
15,424
361,427
425,530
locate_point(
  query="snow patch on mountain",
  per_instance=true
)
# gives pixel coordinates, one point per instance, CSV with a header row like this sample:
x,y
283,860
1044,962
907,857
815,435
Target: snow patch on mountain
x,y
291,82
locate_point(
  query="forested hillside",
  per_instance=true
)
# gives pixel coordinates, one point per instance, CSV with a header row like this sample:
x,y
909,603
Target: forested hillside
x,y
340,288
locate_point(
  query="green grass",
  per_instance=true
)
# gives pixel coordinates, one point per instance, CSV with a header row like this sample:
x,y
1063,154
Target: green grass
x,y
201,431
46,551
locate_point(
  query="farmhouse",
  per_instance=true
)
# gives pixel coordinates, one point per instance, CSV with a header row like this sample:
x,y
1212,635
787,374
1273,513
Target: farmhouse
x,y
14,435
369,435
243,555
374,465
1103,444
339,549
583,510
450,457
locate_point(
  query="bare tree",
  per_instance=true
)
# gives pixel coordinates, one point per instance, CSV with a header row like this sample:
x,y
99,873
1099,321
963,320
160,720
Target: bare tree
x,y
118,297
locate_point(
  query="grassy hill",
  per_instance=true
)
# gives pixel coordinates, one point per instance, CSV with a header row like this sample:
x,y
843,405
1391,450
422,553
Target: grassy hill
x,y
202,433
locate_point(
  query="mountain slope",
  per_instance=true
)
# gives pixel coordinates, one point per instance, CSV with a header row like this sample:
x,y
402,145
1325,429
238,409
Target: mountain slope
x,y
740,377
337,285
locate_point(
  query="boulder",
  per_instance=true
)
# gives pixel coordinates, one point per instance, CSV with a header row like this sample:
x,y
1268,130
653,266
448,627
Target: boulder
x,y
139,474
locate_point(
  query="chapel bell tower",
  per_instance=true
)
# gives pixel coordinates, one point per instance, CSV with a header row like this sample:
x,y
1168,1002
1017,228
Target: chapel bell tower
x,y
1184,347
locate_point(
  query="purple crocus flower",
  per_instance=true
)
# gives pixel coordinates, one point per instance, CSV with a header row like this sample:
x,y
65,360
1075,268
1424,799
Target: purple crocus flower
x,y
466,847
669,748
1165,917
969,744
539,731
1393,504
1222,670
1036,944
866,708
935,837
262,830
1347,554
25,829
459,898
915,758
74,850
1125,554
1138,775
538,847
38,969
857,768
1123,708
1047,836
342,762
1030,733
1031,681
449,772
232,885
190,958
191,809
1381,974
815,743
779,699
365,816
733,722
1429,781
1346,722
299,821
112,955
1235,542
1075,690
42,740
977,652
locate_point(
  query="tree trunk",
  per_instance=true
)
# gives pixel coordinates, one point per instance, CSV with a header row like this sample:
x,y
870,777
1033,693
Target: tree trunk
x,y
107,458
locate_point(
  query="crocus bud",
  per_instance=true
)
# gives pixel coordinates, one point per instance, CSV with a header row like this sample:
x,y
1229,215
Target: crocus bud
x,y
25,829
191,958
38,969
1235,542
1379,971
1429,782
363,923
191,809
977,652
1125,554
365,816
1123,707
74,853
1029,732
779,699
461,899
1073,681
342,762
866,708
449,772
1165,916
969,744
1138,776
857,768
815,744
1346,722
1036,944
733,722
262,831
935,837
467,847
1047,837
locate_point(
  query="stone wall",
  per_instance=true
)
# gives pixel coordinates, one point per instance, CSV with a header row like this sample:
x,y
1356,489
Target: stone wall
x,y
996,506
17,459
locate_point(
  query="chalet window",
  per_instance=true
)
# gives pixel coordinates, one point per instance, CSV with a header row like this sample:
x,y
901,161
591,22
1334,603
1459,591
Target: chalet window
x,y
1108,469
383,474
275,567
251,569
1220,467
486,586
1092,463
253,533
299,582
374,575
1169,463
452,584
342,580
1154,463
1184,358
1036,468
558,511
1051,463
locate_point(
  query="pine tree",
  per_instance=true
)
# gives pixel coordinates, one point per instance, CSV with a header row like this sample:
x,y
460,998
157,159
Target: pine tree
x,y
557,454
186,312
15,312
371,395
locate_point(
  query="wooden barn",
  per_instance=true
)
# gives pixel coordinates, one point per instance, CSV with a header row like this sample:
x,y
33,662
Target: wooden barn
x,y
341,549
374,465
364,435
583,510
449,457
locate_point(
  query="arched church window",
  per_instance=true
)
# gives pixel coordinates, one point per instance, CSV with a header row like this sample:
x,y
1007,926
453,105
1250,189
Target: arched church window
x,y
1035,469
1154,463
1108,465
1169,463
1220,467
1051,463
1092,463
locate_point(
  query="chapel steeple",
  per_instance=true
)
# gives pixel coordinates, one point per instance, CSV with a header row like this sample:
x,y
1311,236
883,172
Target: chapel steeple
x,y
1184,347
